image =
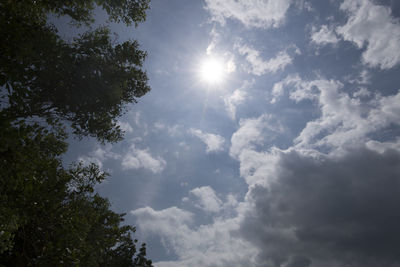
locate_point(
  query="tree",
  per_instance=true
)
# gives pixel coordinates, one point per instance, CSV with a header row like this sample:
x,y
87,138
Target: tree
x,y
50,214
87,82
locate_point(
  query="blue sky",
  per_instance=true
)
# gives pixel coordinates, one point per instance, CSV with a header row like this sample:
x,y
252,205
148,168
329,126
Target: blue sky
x,y
290,159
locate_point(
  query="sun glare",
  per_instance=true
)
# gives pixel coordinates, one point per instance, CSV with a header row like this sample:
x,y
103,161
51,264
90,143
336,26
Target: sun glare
x,y
212,71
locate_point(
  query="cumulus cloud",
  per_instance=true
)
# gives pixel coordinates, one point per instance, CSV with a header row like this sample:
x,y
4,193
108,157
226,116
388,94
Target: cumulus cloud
x,y
302,209
141,158
345,120
372,26
214,142
214,244
206,199
315,209
258,66
318,208
253,132
324,35
252,13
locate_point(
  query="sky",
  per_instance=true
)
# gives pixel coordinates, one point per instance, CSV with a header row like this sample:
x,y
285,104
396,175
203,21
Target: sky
x,y
270,137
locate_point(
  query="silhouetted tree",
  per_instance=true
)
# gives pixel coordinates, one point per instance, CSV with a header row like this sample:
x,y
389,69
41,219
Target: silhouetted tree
x,y
87,81
50,215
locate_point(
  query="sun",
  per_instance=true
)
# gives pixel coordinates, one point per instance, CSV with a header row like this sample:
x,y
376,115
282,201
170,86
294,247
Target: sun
x,y
212,71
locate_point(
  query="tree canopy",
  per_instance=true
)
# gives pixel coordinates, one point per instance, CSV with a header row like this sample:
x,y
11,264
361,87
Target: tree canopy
x,y
51,214
87,81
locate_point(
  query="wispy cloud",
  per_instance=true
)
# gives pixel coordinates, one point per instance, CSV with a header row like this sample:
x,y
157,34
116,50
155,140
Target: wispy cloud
x,y
258,66
232,101
213,142
125,126
252,13
325,35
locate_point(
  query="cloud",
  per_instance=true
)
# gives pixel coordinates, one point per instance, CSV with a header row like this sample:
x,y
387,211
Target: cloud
x,y
141,158
230,65
362,92
315,209
206,199
321,207
125,126
259,66
278,88
308,204
372,26
213,142
213,244
171,130
233,100
253,132
171,223
345,120
382,147
324,35
99,155
305,205
252,13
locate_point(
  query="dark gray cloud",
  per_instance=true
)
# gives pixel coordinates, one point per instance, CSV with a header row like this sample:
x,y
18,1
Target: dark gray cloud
x,y
332,211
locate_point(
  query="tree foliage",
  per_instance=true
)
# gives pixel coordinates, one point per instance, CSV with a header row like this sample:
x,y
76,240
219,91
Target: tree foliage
x,y
87,81
50,214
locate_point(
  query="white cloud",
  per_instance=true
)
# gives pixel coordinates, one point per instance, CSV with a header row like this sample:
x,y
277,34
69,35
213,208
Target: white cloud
x,y
209,245
312,204
278,88
233,100
252,13
99,155
344,120
206,199
253,132
230,65
214,41
302,208
171,130
362,92
259,66
213,142
324,35
383,147
363,78
125,126
372,26
141,158
303,5
248,143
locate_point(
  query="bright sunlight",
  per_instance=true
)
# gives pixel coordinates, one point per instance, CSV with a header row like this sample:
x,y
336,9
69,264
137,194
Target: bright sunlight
x,y
212,71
